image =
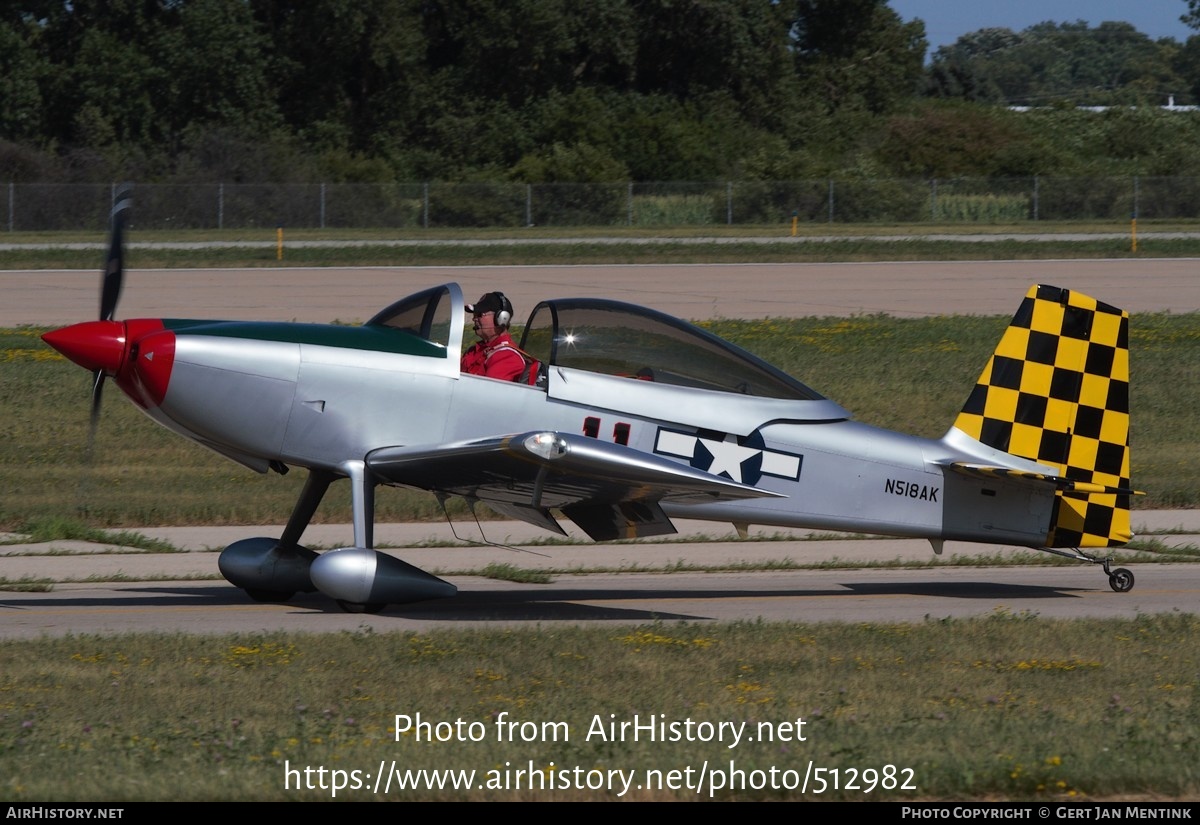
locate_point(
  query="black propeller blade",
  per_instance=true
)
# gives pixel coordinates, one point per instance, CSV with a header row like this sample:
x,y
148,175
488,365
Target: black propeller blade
x,y
94,420
114,266
111,281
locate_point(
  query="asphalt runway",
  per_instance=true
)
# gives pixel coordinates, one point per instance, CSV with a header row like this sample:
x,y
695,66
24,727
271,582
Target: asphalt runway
x,y
689,291
692,291
862,595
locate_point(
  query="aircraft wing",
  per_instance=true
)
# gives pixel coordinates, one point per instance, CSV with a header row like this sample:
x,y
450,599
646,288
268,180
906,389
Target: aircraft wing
x,y
609,490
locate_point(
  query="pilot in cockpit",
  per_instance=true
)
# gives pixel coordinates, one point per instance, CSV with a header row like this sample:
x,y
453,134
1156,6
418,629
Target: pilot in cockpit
x,y
494,355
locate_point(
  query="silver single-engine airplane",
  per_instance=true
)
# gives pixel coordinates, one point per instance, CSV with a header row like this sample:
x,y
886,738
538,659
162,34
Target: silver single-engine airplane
x,y
635,417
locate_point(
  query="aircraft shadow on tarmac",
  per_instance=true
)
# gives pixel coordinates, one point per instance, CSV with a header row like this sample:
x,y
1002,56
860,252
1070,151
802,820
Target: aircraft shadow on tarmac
x,y
547,603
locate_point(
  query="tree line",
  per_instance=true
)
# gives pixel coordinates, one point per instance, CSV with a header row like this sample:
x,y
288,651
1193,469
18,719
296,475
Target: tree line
x,y
552,91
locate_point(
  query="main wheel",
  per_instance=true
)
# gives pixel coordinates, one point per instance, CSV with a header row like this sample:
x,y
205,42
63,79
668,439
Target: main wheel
x,y
269,596
358,607
1121,580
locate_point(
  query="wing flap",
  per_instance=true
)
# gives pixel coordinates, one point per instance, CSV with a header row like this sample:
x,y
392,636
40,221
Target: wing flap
x,y
593,482
537,516
625,520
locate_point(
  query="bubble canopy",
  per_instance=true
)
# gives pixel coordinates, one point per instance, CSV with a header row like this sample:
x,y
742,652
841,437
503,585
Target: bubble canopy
x,y
615,338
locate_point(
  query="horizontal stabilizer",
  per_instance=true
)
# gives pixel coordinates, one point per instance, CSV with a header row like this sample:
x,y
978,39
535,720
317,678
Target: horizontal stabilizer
x,y
1067,485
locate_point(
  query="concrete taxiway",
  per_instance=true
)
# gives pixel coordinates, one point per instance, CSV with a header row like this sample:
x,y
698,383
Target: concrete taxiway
x,y
693,291
111,589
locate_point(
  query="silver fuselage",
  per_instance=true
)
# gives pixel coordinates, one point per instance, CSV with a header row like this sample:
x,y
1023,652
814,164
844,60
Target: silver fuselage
x,y
318,406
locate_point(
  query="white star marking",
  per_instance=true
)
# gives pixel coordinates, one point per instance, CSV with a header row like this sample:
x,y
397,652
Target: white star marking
x,y
728,457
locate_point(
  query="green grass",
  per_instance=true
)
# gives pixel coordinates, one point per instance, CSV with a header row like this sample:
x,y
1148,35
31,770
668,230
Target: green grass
x,y
816,242
511,573
533,253
820,228
1003,707
910,375
1164,552
26,584
1001,209
60,528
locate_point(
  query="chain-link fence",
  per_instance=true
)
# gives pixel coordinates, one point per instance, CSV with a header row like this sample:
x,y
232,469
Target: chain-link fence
x,y
51,207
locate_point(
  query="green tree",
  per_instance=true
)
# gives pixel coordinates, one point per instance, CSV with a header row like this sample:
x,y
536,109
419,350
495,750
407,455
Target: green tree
x,y
1068,62
943,139
1191,18
22,72
737,49
856,53
1186,63
105,72
218,71
348,74
521,50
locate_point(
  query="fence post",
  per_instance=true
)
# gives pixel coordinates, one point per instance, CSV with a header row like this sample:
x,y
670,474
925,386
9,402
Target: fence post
x,y
11,197
629,204
729,203
529,204
220,206
322,206
830,200
1136,193
1036,194
933,200
425,206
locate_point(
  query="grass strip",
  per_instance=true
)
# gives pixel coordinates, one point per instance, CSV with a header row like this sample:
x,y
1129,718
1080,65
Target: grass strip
x,y
1007,706
62,528
533,253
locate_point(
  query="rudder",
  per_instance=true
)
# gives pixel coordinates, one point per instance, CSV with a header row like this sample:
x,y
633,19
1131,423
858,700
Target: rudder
x,y
1056,391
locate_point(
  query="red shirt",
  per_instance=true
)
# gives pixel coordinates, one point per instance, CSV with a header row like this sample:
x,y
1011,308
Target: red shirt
x,y
498,358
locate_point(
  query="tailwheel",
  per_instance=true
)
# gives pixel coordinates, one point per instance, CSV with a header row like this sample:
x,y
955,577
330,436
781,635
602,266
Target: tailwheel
x,y
358,607
1121,580
269,596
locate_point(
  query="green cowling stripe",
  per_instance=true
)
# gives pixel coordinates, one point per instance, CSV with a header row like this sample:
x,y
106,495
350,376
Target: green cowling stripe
x,y
373,339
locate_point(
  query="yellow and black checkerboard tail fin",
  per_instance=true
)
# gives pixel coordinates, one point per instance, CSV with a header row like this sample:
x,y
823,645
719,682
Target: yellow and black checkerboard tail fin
x,y
1056,391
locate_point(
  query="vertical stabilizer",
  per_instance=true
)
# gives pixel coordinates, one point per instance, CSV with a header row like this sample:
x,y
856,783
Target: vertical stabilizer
x,y
1056,391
